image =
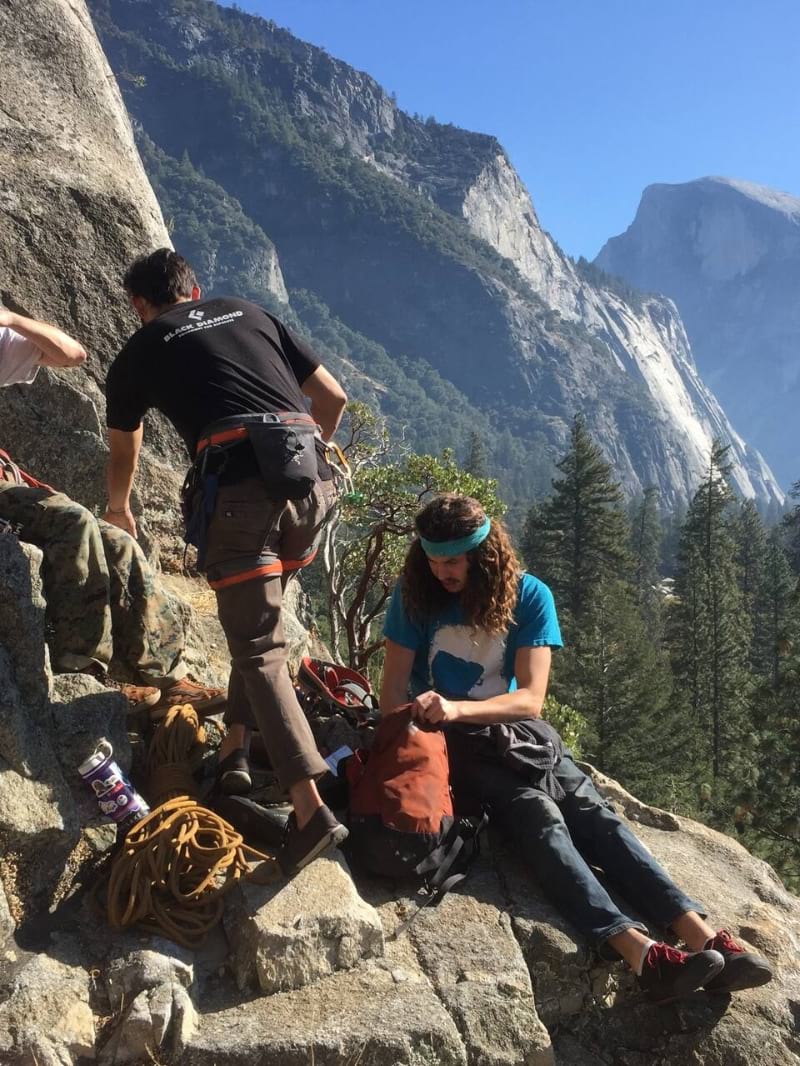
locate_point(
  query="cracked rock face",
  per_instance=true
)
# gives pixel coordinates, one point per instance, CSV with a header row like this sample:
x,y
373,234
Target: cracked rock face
x,y
75,209
289,935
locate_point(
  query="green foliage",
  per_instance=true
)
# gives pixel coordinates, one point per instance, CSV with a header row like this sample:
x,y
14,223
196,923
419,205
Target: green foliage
x,y
645,549
768,811
790,528
598,277
366,544
230,253
571,724
620,681
577,539
709,642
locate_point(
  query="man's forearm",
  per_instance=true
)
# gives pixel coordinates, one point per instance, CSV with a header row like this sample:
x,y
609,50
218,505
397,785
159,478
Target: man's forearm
x,y
57,347
328,416
122,463
508,707
121,473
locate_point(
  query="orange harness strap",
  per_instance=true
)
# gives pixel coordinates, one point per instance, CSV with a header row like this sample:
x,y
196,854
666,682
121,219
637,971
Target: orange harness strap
x,y
280,566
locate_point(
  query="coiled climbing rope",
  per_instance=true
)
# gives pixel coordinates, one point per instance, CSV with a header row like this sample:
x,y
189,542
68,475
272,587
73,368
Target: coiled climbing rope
x,y
178,862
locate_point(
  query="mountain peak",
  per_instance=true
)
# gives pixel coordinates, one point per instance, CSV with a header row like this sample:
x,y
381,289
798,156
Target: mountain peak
x,y
727,251
774,199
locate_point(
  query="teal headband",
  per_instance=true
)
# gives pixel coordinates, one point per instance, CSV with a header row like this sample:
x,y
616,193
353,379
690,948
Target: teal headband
x,y
449,548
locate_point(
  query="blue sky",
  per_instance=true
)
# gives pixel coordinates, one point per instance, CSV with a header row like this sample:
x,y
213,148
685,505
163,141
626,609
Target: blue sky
x,y
592,99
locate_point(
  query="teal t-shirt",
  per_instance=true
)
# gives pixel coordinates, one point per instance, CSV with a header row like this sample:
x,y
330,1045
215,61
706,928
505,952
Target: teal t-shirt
x,y
461,662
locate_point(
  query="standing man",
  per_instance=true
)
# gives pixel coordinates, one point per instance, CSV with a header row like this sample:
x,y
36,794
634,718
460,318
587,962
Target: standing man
x,y
231,377
103,599
469,638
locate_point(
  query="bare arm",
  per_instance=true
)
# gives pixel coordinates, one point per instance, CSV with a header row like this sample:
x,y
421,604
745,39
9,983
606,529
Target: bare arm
x,y
532,671
57,347
397,664
328,400
122,463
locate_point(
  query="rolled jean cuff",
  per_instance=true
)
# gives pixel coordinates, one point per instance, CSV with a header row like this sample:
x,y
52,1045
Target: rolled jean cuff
x,y
299,768
676,906
239,714
602,936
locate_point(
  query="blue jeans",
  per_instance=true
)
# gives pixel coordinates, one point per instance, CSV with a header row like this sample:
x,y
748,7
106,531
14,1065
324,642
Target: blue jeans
x,y
560,840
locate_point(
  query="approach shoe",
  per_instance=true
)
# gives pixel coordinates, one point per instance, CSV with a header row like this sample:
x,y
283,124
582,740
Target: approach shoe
x,y
302,846
138,696
205,700
233,773
743,969
668,973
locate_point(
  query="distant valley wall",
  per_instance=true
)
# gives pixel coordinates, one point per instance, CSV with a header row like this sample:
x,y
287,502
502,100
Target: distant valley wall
x,y
422,238
728,253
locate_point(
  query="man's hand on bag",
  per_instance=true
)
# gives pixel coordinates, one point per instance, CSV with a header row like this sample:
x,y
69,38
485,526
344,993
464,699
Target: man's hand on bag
x,y
122,520
434,709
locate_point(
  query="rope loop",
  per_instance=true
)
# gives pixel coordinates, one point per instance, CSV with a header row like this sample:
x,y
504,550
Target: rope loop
x,y
177,863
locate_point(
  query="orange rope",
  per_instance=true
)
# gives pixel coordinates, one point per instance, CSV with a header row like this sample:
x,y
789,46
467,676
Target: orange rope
x,y
178,862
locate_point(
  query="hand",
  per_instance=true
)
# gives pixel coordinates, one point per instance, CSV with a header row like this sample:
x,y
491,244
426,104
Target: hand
x,y
6,316
434,709
122,520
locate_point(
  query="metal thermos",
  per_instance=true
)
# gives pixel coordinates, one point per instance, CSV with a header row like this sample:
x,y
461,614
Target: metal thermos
x,y
116,797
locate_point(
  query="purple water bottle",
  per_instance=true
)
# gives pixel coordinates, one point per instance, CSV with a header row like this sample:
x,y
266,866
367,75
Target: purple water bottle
x,y
116,797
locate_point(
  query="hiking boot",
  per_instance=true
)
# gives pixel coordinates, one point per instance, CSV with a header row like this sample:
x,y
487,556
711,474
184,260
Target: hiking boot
x,y
668,974
233,773
204,700
743,969
302,846
138,696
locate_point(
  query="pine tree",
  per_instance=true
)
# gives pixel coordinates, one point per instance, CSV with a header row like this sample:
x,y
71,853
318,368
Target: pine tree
x,y
476,455
750,538
580,533
710,638
768,812
645,547
791,529
621,683
776,632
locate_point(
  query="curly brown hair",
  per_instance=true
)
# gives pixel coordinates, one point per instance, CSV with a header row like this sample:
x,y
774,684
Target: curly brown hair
x,y
490,596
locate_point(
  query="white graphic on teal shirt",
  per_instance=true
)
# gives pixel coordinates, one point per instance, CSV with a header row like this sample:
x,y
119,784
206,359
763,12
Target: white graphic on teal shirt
x,y
468,662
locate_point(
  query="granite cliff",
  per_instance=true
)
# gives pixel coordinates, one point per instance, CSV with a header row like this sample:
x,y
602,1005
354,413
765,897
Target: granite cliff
x,y
422,238
307,971
728,253
75,207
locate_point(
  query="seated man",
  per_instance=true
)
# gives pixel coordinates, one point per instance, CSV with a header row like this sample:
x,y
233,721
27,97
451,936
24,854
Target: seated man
x,y
97,582
470,637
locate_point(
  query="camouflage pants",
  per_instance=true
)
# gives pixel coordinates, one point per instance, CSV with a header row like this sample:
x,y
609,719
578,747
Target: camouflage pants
x,y
103,600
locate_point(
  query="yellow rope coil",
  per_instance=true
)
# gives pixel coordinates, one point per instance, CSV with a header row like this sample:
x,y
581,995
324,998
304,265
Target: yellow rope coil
x,y
177,863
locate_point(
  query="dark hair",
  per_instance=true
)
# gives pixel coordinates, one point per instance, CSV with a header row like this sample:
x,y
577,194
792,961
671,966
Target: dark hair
x,y
162,277
490,596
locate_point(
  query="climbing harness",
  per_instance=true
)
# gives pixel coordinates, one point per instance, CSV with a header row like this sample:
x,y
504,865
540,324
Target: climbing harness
x,y
283,445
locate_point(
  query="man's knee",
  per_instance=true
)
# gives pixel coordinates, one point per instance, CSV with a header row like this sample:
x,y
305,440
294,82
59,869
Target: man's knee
x,y
120,548
65,524
534,812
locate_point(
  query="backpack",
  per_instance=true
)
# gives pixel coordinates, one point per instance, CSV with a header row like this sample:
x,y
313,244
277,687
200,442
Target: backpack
x,y
401,816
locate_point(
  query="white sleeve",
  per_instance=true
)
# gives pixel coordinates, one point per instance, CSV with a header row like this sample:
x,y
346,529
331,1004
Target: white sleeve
x,y
19,358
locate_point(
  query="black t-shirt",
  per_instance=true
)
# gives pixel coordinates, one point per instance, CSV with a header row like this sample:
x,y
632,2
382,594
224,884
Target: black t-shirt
x,y
203,360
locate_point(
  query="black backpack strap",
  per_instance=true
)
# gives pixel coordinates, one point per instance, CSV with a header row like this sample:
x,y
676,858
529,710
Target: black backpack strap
x,y
440,862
